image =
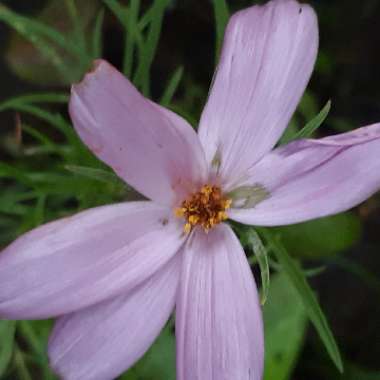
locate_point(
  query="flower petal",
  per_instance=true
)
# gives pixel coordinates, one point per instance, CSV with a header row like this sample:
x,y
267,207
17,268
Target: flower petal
x,y
159,156
77,261
308,179
267,59
103,340
218,318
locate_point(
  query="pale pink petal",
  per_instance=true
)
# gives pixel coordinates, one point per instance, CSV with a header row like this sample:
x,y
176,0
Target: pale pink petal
x,y
267,59
77,261
219,328
103,340
160,156
308,179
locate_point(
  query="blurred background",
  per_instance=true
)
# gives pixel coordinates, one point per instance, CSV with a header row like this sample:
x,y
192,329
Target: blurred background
x,y
168,48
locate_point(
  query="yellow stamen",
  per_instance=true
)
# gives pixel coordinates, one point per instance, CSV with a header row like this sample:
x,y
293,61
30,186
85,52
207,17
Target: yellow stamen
x,y
205,208
179,212
187,228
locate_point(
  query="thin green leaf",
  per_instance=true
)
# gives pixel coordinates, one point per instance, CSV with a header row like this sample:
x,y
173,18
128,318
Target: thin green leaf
x,y
37,346
314,271
97,43
313,124
7,333
172,87
7,171
130,38
296,277
133,36
142,76
34,98
118,10
39,211
55,119
221,13
76,21
21,367
145,19
93,173
41,36
42,138
10,202
259,250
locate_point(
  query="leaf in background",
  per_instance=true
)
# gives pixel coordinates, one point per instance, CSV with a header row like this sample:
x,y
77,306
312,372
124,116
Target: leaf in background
x,y
36,335
43,97
221,13
97,42
130,38
7,332
285,324
315,123
149,48
171,88
117,9
290,134
158,363
94,173
321,237
46,49
116,185
254,241
306,295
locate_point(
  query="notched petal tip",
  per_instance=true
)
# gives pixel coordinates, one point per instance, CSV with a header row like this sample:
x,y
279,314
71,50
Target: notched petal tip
x,y
97,66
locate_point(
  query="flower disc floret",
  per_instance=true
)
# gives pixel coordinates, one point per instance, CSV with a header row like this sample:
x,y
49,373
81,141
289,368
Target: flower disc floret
x,y
205,208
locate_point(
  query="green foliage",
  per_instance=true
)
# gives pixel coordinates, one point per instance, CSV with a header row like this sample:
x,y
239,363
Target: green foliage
x,y
253,240
285,325
60,52
306,295
221,13
308,130
158,363
7,332
323,237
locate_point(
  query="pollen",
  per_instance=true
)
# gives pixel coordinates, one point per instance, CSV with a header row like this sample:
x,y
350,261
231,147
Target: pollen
x,y
206,208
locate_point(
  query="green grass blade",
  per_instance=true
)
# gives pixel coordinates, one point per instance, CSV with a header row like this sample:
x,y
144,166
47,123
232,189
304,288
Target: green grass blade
x,y
145,19
20,365
39,34
77,24
131,29
7,334
312,308
142,77
56,120
8,171
172,86
221,13
118,10
97,43
260,252
313,124
39,210
34,98
93,173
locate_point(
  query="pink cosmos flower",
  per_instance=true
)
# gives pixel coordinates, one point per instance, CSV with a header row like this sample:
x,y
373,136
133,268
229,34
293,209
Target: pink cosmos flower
x,y
114,274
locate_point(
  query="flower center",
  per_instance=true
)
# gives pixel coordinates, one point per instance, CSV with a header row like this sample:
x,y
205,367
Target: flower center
x,y
205,208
